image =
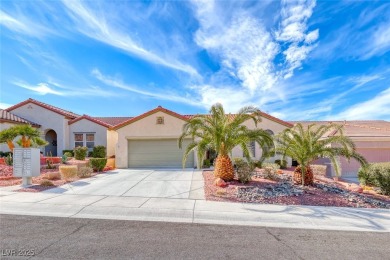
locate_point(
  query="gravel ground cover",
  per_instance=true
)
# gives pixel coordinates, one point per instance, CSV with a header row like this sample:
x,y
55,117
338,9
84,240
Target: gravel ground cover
x,y
324,192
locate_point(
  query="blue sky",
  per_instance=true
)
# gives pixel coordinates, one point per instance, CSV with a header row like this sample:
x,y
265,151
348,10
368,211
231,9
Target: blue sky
x,y
297,60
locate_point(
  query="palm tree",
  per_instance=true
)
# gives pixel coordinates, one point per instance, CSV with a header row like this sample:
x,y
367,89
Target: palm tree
x,y
308,144
7,136
30,136
222,132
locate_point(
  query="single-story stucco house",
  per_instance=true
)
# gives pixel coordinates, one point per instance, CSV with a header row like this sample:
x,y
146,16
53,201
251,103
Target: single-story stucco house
x,y
150,139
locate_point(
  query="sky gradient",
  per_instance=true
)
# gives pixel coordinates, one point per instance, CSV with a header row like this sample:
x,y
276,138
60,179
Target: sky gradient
x,y
297,60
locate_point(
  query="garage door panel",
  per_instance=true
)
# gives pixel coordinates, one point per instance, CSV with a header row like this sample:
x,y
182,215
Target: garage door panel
x,y
157,153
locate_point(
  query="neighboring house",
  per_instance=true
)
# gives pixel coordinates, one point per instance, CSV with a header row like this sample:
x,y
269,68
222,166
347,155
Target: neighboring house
x,y
63,129
372,140
8,120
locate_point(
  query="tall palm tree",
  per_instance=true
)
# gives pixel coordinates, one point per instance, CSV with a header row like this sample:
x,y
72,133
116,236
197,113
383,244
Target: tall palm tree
x,y
308,144
222,132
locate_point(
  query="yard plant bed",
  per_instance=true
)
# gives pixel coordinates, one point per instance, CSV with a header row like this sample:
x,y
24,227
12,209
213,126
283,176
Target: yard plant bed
x,y
324,192
7,179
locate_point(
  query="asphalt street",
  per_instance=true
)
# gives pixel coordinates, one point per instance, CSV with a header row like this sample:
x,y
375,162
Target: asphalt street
x,y
70,238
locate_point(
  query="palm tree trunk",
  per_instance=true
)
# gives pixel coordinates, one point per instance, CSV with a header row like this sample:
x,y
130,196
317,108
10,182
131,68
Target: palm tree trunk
x,y
11,145
224,168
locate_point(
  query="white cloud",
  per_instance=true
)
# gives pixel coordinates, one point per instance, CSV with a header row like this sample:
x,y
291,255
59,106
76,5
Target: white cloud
x,y
379,41
5,105
53,88
378,107
113,82
97,27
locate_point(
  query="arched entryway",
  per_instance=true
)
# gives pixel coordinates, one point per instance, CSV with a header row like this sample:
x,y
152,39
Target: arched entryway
x,y
51,138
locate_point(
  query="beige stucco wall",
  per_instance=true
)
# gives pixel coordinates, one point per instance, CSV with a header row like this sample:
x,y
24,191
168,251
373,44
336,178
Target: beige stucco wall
x,y
112,140
48,120
3,126
265,124
86,126
146,128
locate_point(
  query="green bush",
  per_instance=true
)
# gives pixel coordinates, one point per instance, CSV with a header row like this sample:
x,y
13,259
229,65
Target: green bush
x,y
68,154
366,176
64,159
68,151
244,170
80,153
99,151
281,163
4,154
206,163
376,174
9,160
98,164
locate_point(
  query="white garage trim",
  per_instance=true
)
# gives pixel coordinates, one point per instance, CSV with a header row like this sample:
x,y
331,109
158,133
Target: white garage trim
x,y
162,152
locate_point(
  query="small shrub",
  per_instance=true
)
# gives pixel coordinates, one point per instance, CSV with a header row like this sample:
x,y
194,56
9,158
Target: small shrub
x,y
99,151
85,172
4,154
272,165
64,159
9,160
244,170
257,164
318,169
68,153
46,183
366,176
53,176
270,173
376,174
98,164
68,171
206,163
49,164
282,163
80,153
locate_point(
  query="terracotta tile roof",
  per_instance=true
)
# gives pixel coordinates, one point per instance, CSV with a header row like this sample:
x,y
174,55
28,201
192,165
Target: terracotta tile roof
x,y
265,115
151,112
92,119
358,128
6,116
113,121
58,110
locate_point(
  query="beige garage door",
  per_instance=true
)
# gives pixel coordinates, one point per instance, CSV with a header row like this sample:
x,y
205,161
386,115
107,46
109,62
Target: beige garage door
x,y
157,153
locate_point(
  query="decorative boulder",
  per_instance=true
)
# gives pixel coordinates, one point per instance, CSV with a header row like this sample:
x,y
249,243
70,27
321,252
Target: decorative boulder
x,y
220,183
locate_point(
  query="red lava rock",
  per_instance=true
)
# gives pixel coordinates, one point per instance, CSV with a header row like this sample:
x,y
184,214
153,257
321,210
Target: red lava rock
x,y
220,183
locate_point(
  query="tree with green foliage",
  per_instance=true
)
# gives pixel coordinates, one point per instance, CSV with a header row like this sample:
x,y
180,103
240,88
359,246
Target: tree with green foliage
x,y
306,144
222,132
29,136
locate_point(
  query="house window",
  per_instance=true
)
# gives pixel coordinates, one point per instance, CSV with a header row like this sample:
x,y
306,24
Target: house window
x,y
270,132
252,148
160,120
81,139
78,140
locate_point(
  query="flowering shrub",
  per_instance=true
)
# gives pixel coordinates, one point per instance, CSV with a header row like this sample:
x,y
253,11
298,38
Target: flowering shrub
x,y
376,174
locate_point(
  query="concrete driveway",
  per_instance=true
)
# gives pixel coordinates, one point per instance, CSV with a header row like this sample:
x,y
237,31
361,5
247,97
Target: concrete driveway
x,y
147,183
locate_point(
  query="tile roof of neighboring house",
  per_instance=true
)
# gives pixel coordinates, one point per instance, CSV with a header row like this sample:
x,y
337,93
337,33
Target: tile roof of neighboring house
x,y
58,110
358,128
92,119
151,112
268,116
113,121
6,116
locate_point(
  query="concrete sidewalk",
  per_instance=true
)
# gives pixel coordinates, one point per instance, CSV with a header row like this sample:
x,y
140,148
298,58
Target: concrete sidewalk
x,y
193,211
